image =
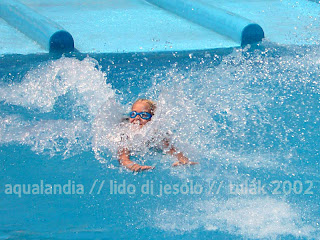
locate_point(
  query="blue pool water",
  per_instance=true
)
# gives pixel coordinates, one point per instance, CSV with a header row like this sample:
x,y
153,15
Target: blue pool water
x,y
248,116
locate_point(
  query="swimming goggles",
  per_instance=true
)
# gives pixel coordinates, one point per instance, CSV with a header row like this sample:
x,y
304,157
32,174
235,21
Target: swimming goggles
x,y
143,115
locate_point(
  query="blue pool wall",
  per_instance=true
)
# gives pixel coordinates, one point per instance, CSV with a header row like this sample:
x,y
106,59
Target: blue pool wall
x,y
240,29
48,34
53,38
131,26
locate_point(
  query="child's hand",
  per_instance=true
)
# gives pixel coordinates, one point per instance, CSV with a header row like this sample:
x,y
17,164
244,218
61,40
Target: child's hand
x,y
182,160
138,168
184,163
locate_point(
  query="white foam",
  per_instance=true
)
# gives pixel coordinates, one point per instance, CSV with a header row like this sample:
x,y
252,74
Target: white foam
x,y
41,87
260,217
54,137
85,86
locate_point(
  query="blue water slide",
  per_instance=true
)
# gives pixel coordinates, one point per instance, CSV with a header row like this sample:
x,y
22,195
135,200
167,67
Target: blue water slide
x,y
221,21
44,31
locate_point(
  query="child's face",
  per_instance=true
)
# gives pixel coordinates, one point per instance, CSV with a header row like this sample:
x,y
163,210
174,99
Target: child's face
x,y
140,107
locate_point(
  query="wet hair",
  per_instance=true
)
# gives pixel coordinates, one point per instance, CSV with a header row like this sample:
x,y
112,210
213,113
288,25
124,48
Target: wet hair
x,y
151,104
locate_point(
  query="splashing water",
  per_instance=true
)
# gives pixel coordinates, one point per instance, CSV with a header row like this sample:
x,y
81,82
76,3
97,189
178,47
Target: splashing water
x,y
42,90
41,87
248,116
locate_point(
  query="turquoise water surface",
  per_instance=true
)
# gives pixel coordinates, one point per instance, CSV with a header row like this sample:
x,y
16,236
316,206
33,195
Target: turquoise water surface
x,y
249,116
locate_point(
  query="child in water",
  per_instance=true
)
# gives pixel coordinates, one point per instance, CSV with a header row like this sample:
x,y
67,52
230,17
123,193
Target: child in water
x,y
141,113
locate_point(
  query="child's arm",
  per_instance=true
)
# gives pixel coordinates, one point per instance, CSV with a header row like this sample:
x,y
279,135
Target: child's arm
x,y
124,160
182,160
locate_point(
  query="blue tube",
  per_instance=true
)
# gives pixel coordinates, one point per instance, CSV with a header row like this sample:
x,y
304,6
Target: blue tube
x,y
226,23
45,32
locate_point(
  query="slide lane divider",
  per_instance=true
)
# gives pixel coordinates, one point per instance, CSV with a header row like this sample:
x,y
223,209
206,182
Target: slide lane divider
x,y
226,23
44,31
